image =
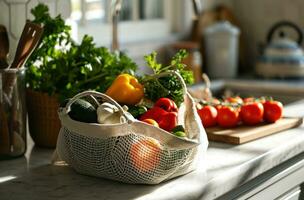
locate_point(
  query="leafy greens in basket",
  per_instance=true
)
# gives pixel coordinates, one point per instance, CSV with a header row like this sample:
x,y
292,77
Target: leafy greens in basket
x,y
61,66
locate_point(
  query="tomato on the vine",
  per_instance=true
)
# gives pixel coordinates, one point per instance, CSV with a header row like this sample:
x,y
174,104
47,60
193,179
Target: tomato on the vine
x,y
215,101
217,107
248,99
228,117
208,115
234,100
273,110
252,113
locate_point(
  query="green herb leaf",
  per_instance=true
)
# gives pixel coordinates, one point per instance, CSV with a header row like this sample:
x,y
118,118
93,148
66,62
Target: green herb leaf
x,y
170,86
60,66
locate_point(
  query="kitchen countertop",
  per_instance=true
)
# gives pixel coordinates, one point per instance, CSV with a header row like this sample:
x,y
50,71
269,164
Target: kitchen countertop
x,y
225,168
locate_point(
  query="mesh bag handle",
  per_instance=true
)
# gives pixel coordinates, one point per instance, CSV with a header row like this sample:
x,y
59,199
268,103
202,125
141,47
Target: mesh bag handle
x,y
105,97
101,95
177,75
187,117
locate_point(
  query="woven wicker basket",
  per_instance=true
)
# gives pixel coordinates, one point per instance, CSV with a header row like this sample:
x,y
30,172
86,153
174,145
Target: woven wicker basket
x,y
44,124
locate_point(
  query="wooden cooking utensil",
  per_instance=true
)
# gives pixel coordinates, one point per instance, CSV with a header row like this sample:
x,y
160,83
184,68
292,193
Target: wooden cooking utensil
x,y
4,47
195,33
4,132
28,41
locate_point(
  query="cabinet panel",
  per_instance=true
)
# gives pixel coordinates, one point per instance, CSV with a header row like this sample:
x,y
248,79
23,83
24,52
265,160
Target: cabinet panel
x,y
293,194
280,187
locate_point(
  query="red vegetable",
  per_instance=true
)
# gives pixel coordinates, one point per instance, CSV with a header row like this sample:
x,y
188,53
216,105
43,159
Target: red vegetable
x,y
166,104
248,99
151,122
273,110
168,121
145,154
154,113
164,113
235,99
252,113
228,117
208,115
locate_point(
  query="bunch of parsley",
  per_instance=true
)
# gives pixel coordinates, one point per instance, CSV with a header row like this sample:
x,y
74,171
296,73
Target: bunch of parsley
x,y
60,66
170,86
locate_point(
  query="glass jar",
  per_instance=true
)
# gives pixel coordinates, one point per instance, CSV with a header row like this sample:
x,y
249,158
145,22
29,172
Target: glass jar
x,y
12,113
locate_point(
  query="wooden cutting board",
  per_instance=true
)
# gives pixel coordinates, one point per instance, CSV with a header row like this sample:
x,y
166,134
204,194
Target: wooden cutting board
x,y
242,134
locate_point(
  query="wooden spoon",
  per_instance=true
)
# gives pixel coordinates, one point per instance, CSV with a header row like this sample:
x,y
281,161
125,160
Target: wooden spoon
x,y
4,47
4,132
28,41
195,32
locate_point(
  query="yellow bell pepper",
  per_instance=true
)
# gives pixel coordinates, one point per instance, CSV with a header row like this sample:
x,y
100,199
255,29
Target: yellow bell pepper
x,y
126,90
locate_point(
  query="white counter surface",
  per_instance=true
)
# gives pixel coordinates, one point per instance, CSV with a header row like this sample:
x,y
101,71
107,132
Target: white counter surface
x,y
226,167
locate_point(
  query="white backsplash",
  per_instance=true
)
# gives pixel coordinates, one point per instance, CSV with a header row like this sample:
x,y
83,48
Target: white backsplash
x,y
258,16
13,14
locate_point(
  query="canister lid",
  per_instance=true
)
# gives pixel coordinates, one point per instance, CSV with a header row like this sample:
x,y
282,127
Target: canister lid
x,y
222,27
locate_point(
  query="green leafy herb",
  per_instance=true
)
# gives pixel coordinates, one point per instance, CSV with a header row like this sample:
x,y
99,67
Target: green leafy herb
x,y
60,66
170,86
136,111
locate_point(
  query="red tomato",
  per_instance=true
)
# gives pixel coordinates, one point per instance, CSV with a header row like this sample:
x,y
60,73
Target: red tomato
x,y
262,100
235,99
273,110
145,154
252,113
227,117
208,115
248,99
215,101
217,107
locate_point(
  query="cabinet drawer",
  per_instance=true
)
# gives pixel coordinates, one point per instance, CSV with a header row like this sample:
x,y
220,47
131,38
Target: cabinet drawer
x,y
278,188
293,194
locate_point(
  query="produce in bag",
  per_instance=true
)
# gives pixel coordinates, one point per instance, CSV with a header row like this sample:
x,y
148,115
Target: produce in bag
x,y
132,151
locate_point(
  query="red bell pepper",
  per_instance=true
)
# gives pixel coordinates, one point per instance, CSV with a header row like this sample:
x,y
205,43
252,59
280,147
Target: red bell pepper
x,y
164,113
154,113
166,104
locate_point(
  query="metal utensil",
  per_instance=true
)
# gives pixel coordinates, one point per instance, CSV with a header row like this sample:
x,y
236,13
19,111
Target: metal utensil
x,y
197,7
115,18
4,47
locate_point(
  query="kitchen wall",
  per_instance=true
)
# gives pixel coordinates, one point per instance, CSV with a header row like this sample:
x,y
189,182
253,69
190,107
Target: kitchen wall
x,y
13,14
257,16
207,4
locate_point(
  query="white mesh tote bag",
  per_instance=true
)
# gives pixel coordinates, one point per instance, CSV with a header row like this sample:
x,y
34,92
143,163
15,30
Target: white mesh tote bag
x,y
131,151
